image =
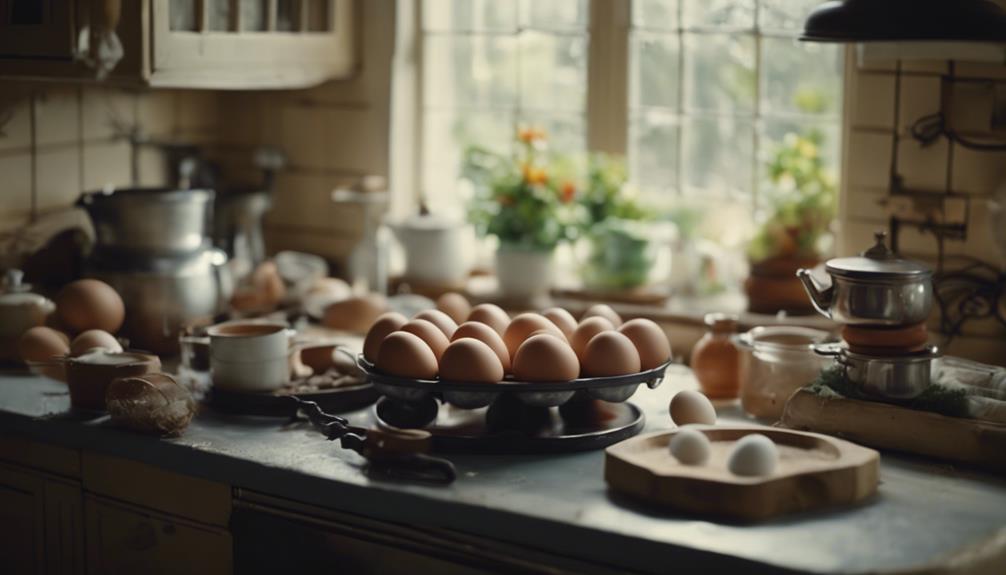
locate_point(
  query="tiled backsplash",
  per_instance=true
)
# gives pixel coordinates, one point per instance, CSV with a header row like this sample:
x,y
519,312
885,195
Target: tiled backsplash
x,y
59,140
874,98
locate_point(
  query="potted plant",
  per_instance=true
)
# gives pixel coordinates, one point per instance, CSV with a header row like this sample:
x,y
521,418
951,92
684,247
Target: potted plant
x,y
519,200
617,246
794,234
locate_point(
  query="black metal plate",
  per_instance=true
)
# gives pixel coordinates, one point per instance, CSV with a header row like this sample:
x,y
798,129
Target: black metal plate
x,y
338,400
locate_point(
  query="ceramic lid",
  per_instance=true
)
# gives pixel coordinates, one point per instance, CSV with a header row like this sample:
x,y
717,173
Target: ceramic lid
x,y
878,262
18,294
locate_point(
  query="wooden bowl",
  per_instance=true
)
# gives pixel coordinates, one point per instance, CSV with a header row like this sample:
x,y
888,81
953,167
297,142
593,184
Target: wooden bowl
x,y
814,471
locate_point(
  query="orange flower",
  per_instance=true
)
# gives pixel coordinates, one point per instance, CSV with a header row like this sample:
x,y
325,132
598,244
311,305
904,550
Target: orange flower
x,y
530,135
567,192
533,175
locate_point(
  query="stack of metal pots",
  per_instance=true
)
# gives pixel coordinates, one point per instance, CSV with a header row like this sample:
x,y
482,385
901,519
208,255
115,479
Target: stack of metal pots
x,y
883,302
153,246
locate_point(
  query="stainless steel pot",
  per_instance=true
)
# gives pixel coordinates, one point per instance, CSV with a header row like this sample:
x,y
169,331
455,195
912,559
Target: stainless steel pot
x,y
157,221
895,376
164,294
876,288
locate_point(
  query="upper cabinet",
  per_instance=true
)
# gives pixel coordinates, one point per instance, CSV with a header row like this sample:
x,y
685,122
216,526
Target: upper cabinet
x,y
213,44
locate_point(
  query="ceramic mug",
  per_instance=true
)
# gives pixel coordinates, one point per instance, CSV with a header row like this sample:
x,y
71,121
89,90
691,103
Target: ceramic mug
x,y
249,356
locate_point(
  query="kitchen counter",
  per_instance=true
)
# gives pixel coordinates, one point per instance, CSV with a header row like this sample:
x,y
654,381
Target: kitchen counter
x,y
926,514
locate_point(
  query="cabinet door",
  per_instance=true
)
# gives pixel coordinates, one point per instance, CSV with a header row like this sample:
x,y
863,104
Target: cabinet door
x,y
126,539
37,29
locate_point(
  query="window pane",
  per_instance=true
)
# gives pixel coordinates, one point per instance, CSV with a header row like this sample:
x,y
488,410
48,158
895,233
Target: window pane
x,y
286,15
719,156
219,15
654,74
566,133
553,72
825,135
553,14
661,14
653,150
183,15
468,15
785,14
720,72
803,77
725,13
469,71
446,135
253,15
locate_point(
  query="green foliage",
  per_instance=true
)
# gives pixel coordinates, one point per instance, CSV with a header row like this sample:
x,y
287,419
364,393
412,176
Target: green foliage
x,y
936,398
802,205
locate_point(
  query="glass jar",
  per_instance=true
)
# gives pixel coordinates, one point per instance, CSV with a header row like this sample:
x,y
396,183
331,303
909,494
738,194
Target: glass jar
x,y
715,359
777,361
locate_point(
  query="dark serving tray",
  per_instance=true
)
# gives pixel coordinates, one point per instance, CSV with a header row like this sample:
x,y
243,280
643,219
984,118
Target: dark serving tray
x,y
468,395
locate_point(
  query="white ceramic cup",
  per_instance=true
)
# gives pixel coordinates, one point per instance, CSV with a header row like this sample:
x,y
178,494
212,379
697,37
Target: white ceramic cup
x,y
249,356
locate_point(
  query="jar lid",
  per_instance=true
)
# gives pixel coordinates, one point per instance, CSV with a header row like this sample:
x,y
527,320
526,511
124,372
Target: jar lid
x,y
17,293
721,322
878,262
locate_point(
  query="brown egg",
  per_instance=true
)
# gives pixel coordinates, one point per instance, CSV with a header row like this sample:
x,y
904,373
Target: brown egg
x,y
454,305
355,314
521,328
439,319
384,325
605,311
562,320
90,304
42,343
491,315
545,357
406,355
587,329
610,353
429,333
486,335
650,341
469,359
94,339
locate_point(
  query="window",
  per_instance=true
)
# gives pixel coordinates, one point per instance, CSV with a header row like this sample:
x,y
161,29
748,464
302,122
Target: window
x,y
712,88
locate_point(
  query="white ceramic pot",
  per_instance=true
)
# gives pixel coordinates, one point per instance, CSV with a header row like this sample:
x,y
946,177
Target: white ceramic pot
x,y
523,273
249,356
437,249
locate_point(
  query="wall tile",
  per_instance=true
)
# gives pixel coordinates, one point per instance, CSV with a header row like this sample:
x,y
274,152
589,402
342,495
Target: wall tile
x,y
325,245
57,112
855,235
978,172
303,136
305,200
991,350
923,168
971,106
869,161
57,177
866,204
106,165
980,70
156,112
354,141
873,103
984,239
15,185
196,112
106,111
920,96
926,66
15,121
152,168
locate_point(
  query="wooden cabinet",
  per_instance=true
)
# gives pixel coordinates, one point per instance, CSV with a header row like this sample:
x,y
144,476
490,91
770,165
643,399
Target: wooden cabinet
x,y
124,539
40,523
213,44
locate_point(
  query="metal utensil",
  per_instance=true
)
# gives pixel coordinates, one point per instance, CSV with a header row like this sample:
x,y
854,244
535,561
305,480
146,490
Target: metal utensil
x,y
894,376
876,288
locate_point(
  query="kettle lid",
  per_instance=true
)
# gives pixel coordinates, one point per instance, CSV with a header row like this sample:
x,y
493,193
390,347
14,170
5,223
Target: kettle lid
x,y
878,262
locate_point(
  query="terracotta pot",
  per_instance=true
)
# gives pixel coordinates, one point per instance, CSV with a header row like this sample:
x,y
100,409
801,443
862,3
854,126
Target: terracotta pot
x,y
89,375
773,286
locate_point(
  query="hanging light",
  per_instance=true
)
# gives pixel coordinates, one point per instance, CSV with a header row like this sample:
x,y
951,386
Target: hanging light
x,y
906,20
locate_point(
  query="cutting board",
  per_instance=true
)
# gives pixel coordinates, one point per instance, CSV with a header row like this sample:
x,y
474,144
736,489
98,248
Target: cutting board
x,y
814,472
887,426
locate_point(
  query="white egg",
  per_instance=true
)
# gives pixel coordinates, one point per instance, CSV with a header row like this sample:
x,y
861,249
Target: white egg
x,y
753,455
690,406
690,446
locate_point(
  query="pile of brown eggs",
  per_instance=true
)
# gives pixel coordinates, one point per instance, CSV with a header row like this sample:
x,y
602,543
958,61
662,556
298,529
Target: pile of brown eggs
x,y
488,344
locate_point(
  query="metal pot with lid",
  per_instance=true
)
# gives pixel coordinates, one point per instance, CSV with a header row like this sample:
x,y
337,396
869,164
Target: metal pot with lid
x,y
876,288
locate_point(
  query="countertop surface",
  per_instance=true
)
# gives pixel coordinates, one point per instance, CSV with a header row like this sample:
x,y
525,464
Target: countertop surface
x,y
925,513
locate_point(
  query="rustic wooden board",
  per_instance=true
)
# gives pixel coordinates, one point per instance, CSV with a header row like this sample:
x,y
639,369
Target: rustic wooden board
x,y
814,472
886,426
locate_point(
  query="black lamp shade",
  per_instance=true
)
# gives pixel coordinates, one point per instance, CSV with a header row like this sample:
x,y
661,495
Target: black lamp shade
x,y
906,20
